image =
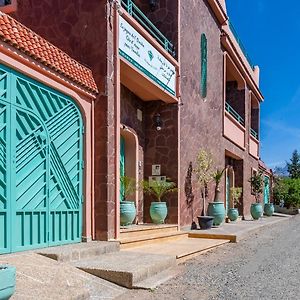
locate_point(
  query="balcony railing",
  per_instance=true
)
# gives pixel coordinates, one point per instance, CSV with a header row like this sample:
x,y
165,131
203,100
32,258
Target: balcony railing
x,y
241,44
254,133
235,114
138,15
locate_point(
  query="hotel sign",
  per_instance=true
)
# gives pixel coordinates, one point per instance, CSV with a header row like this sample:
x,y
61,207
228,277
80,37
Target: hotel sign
x,y
138,51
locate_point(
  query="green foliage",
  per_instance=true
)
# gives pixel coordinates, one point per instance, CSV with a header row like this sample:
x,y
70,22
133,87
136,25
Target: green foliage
x,y
236,193
159,188
257,183
204,168
294,166
129,186
217,176
288,190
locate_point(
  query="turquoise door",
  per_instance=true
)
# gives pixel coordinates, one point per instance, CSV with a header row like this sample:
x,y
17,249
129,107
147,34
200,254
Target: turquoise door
x,y
40,165
267,190
227,191
122,166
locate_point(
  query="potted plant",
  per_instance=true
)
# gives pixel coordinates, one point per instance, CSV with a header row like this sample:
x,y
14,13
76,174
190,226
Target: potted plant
x,y
268,207
217,208
256,181
204,174
7,281
158,189
233,212
127,207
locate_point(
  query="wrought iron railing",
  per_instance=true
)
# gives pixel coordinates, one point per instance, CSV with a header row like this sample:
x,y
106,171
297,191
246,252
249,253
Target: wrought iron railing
x,y
138,15
233,113
254,133
241,44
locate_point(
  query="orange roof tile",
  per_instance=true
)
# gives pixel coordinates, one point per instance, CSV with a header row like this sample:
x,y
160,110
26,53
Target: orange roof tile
x,y
33,45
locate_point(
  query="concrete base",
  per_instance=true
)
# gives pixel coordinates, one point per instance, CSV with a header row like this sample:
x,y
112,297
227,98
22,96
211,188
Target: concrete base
x,y
75,252
235,231
127,269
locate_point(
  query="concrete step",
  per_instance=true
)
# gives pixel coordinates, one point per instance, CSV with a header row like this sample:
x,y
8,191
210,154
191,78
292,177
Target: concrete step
x,y
145,229
138,241
183,249
127,269
76,252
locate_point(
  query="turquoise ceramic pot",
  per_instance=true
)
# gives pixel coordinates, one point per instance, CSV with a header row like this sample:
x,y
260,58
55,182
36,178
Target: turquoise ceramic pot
x,y
7,281
217,210
158,212
233,214
256,211
127,212
269,209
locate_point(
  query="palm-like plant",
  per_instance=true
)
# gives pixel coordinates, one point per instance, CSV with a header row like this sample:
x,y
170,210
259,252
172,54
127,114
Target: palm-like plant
x,y
217,176
159,188
128,186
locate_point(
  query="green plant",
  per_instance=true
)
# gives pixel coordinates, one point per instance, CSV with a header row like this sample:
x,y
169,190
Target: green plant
x,y
158,188
204,172
288,191
128,186
294,166
217,176
236,193
257,183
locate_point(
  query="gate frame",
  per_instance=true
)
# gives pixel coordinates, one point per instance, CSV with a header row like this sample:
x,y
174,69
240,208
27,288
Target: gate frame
x,y
84,100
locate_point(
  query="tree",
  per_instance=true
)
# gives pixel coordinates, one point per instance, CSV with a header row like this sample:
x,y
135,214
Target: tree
x,y
294,166
257,182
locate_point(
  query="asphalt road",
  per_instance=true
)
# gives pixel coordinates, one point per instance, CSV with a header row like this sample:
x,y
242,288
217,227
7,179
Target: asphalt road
x,y
265,265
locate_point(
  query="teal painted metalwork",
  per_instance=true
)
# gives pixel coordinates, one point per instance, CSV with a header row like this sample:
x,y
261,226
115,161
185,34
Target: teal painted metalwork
x,y
254,133
239,41
232,112
137,14
44,151
267,190
203,65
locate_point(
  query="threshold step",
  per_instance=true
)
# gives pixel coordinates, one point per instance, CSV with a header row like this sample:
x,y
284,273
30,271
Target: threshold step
x,y
75,252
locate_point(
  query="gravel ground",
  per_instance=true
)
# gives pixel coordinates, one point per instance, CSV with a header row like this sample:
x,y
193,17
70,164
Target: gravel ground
x,y
266,265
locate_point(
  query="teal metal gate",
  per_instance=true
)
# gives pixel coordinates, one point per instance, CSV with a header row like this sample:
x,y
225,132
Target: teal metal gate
x,y
40,165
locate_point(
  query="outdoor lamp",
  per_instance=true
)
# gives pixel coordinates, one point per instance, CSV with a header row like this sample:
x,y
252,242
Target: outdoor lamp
x,y
157,121
153,4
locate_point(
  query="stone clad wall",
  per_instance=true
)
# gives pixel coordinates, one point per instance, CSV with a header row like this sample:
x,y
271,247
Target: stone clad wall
x,y
201,119
80,28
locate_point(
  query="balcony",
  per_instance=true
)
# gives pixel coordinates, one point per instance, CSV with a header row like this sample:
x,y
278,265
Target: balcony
x,y
254,144
234,126
147,64
133,10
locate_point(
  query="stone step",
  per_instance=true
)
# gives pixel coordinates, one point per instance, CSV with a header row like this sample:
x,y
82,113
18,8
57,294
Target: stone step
x,y
183,249
138,241
76,252
145,229
128,269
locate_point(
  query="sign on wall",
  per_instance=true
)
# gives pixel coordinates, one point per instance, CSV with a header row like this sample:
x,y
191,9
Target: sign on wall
x,y
139,52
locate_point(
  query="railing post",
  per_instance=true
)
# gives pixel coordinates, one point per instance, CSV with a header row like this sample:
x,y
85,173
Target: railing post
x,y
129,7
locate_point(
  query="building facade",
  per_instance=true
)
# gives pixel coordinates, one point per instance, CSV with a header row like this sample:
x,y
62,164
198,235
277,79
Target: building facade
x,y
173,78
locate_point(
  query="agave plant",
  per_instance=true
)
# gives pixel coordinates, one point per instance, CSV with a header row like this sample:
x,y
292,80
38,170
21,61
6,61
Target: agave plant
x,y
159,188
128,186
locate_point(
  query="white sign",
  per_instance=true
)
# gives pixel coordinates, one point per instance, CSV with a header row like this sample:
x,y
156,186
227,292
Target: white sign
x,y
156,170
138,51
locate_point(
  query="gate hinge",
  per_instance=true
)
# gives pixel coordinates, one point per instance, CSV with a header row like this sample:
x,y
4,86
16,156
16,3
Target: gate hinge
x,y
82,129
82,164
82,200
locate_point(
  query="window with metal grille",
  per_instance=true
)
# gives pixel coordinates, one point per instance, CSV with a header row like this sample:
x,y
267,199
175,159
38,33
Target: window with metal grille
x,y
203,88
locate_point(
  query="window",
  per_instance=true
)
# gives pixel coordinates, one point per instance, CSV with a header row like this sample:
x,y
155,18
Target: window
x,y
203,65
5,2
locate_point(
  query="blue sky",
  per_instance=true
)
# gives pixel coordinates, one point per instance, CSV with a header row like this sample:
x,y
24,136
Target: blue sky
x,y
270,31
